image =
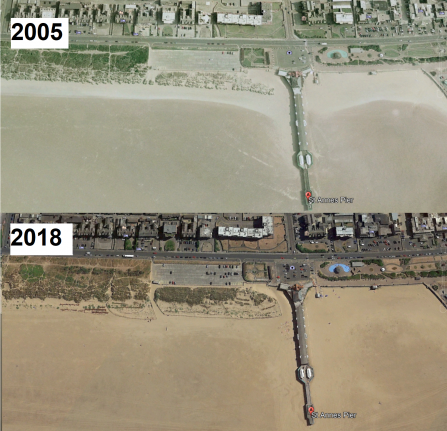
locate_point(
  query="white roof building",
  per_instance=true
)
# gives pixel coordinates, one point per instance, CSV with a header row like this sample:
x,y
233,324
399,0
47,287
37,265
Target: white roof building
x,y
48,12
203,18
241,19
343,231
168,15
254,233
344,18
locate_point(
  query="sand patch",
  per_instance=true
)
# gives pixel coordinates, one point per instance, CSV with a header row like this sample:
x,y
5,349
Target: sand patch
x,y
384,360
374,137
122,146
75,372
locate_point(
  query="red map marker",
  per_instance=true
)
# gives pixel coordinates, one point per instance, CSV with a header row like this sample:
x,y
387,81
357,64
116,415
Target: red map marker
x,y
311,410
308,195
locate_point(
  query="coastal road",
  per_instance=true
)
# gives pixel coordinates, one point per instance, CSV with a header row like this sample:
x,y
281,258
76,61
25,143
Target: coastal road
x,y
288,24
256,42
290,233
245,257
265,43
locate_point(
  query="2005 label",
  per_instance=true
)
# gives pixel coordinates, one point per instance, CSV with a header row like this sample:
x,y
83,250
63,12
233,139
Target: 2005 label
x,y
46,239
39,33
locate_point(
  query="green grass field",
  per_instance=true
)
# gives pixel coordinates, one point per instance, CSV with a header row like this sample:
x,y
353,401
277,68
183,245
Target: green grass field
x,y
391,53
310,33
253,56
170,245
420,50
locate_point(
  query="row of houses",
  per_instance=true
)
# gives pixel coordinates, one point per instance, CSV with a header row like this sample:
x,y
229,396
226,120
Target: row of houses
x,y
375,12
424,13
389,11
316,12
339,226
181,226
141,13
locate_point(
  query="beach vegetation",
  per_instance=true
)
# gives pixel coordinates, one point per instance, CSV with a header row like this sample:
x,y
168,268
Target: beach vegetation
x,y
186,295
31,273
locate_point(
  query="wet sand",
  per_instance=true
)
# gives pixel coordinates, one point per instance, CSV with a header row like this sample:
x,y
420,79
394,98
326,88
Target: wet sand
x,y
379,139
71,371
381,355
121,148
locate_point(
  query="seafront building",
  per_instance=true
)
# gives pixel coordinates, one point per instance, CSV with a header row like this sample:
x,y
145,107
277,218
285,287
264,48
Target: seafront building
x,y
370,12
304,227
240,19
342,12
248,233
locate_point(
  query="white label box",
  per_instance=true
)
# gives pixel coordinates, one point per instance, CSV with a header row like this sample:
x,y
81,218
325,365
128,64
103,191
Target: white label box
x,y
41,239
39,33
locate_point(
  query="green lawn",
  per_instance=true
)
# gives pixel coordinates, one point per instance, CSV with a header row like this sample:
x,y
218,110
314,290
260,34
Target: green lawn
x,y
128,244
420,51
391,53
167,31
310,33
253,56
170,245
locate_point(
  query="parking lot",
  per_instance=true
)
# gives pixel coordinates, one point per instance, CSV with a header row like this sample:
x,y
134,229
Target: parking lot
x,y
293,272
418,244
171,59
376,244
198,275
83,244
374,30
187,245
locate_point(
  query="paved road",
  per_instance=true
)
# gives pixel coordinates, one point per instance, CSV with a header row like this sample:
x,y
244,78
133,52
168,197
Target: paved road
x,y
266,43
290,232
288,24
245,257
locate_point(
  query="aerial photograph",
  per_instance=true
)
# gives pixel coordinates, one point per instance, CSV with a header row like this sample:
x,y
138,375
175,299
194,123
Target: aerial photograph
x,y
223,216
313,104
228,321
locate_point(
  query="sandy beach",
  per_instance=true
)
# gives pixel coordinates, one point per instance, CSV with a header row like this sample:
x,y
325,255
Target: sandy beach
x,y
378,139
381,355
124,147
73,371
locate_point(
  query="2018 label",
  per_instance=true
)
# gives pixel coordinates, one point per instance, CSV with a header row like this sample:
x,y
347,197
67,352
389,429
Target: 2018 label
x,y
29,233
41,239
